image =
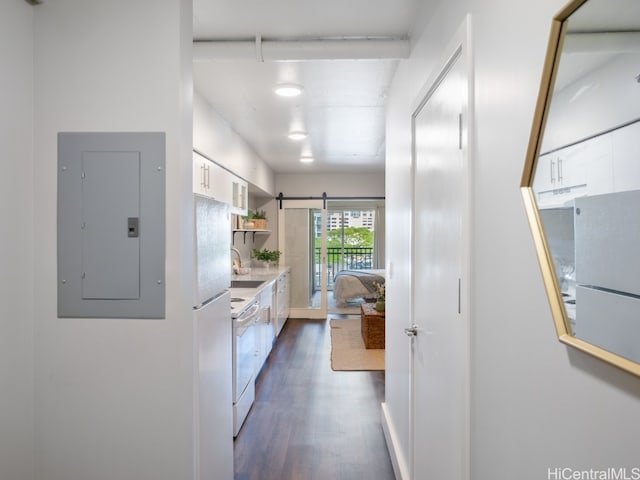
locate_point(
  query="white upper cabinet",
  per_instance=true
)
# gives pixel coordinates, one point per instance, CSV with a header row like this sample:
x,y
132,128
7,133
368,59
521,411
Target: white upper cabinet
x,y
626,158
211,180
548,174
239,196
586,168
201,174
570,166
599,164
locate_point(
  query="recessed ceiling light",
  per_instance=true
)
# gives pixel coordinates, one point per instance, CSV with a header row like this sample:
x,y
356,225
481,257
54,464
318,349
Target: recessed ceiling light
x,y
297,135
288,90
306,159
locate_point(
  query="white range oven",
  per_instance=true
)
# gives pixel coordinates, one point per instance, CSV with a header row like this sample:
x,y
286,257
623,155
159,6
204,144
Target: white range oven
x,y
244,363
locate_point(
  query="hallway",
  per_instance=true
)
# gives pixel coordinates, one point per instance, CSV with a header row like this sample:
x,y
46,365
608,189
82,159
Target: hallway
x,y
309,422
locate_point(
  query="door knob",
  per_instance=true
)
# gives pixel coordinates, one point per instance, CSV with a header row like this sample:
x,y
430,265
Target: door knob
x,y
411,331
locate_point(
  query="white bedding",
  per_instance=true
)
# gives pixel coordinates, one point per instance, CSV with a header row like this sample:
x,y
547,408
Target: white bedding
x,y
348,287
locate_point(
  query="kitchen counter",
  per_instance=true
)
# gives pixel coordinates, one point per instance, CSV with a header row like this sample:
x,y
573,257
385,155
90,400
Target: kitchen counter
x,y
266,275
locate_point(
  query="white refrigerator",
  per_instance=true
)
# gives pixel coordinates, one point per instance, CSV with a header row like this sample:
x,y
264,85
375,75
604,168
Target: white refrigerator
x,y
212,306
607,229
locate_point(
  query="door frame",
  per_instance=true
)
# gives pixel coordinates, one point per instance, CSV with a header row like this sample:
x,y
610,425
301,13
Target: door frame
x,y
458,50
310,204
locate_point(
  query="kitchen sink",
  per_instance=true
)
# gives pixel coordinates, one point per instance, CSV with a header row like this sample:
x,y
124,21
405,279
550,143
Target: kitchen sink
x,y
246,283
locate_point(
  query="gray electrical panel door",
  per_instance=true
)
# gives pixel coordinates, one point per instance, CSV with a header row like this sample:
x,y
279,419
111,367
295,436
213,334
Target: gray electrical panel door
x,y
111,225
110,198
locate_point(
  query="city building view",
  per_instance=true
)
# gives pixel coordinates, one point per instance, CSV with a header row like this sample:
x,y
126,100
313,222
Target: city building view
x,y
350,242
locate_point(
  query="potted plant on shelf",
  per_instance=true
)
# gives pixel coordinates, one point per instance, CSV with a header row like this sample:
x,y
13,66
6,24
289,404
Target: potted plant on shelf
x,y
247,221
268,257
255,220
259,219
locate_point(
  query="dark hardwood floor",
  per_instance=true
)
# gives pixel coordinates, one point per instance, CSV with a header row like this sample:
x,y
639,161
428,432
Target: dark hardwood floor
x,y
309,422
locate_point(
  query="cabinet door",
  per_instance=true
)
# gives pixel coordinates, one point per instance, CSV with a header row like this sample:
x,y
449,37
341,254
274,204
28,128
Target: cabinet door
x,y
239,196
626,158
264,337
267,333
587,166
570,166
548,184
562,169
282,302
211,180
545,177
575,171
599,164
220,184
201,174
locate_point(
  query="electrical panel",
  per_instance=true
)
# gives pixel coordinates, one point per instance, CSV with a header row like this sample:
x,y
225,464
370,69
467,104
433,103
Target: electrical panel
x,y
111,225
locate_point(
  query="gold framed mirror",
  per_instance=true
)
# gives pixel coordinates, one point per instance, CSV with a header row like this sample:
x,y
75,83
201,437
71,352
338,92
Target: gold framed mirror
x,y
581,181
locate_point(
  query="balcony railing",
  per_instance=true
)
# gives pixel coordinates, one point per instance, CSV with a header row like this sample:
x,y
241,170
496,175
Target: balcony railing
x,y
345,258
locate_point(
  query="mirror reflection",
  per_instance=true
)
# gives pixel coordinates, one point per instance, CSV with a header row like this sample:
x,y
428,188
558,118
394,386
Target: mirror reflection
x,y
586,179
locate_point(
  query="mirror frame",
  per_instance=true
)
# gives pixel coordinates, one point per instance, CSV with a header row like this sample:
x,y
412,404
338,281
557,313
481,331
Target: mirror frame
x,y
552,61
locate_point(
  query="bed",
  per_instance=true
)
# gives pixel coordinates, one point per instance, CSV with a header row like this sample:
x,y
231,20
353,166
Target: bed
x,y
354,284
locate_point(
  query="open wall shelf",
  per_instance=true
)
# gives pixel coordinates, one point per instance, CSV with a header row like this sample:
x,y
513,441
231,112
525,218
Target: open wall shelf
x,y
252,231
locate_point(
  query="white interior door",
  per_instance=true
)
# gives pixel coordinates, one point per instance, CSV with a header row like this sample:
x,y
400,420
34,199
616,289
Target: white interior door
x,y
301,225
440,322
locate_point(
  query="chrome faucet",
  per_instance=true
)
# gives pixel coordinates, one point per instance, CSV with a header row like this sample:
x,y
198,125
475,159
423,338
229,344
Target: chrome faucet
x,y
237,252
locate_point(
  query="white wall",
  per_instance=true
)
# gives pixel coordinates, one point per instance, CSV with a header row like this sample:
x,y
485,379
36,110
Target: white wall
x,y
337,184
550,408
535,403
16,241
214,138
114,397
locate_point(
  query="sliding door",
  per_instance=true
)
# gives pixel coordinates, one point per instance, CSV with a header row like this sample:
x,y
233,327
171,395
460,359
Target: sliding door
x,y
302,229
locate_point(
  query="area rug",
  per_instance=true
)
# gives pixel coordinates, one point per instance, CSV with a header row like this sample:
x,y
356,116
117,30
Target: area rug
x,y
348,352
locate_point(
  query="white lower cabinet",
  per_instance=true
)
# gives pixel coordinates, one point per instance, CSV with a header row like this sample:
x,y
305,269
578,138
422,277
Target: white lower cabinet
x,y
266,333
271,312
282,301
274,311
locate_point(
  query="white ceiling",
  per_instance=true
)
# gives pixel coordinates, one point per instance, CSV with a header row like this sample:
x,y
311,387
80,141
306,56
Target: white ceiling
x,y
596,34
342,106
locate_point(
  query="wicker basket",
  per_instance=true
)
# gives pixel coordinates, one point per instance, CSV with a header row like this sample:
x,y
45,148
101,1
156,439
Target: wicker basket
x,y
259,223
372,326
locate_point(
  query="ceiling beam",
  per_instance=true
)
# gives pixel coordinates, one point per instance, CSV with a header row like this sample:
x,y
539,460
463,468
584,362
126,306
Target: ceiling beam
x,y
259,49
602,42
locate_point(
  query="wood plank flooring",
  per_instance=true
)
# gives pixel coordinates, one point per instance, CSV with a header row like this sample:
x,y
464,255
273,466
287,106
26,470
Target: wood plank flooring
x,y
309,422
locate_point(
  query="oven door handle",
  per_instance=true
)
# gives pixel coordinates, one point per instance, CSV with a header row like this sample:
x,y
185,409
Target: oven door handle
x,y
248,316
